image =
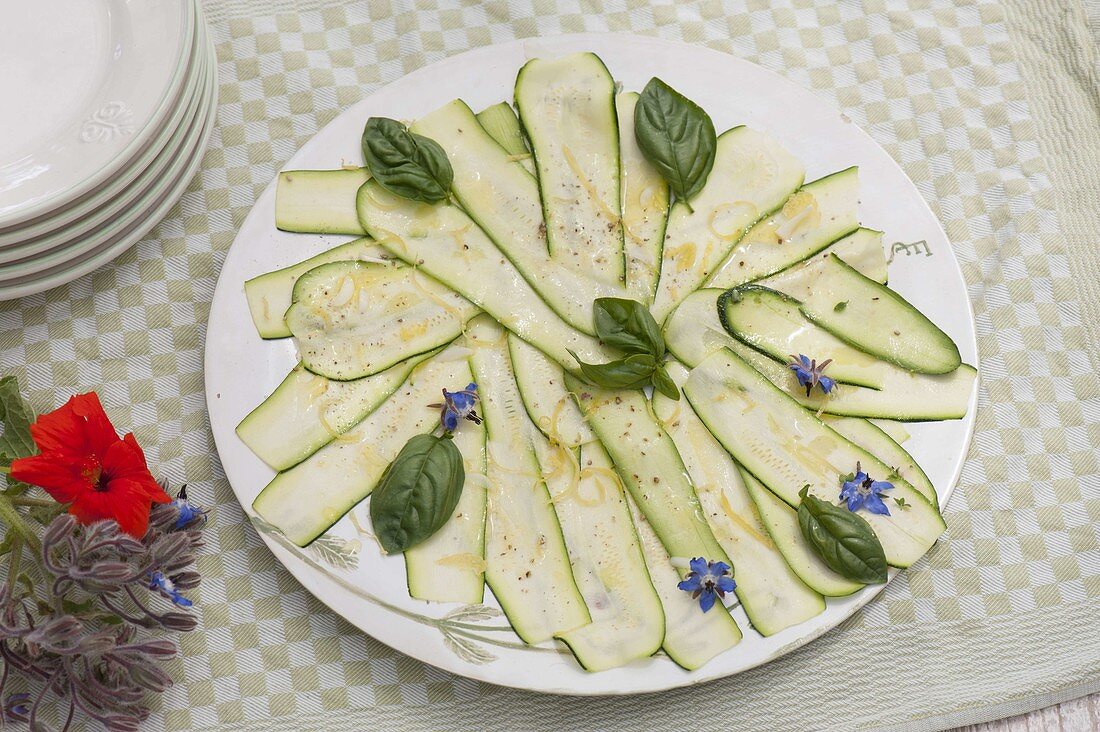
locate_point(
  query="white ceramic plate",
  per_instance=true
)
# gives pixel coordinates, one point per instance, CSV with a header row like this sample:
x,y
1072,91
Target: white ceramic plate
x,y
63,220
241,369
89,83
114,207
112,239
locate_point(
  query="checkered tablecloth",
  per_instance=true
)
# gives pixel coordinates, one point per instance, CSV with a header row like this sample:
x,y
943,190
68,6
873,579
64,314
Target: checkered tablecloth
x,y
993,109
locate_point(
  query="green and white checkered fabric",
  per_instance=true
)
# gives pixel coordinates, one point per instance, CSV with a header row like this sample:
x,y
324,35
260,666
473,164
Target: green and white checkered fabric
x,y
992,110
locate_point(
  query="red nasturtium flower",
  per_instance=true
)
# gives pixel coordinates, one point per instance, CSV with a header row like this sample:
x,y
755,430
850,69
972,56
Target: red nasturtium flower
x,y
83,462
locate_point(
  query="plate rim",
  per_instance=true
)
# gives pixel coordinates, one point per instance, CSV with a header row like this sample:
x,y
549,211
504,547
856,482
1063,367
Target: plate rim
x,y
318,582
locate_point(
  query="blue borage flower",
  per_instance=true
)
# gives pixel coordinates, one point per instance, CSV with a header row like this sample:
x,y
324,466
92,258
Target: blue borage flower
x,y
810,373
861,491
456,406
707,581
188,513
160,582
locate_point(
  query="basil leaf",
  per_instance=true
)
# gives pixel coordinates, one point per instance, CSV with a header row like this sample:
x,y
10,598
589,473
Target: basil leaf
x,y
632,372
406,164
628,325
417,493
663,383
677,136
16,417
843,540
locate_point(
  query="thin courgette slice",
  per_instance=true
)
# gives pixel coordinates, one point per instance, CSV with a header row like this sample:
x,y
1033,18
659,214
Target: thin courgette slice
x,y
694,332
444,243
306,500
692,637
354,319
526,562
650,467
772,322
645,203
876,441
627,620
862,249
905,396
813,217
269,294
503,199
781,521
773,596
319,201
875,319
307,412
502,124
752,176
549,404
897,431
567,108
787,448
449,566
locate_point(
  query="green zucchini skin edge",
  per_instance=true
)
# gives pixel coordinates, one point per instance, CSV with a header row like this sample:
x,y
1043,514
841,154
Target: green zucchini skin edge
x,y
951,359
733,295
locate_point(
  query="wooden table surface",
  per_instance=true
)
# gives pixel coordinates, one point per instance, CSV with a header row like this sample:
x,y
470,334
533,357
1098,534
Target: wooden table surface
x,y
1079,715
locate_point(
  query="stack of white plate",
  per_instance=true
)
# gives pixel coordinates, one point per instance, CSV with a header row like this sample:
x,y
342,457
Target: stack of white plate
x,y
107,109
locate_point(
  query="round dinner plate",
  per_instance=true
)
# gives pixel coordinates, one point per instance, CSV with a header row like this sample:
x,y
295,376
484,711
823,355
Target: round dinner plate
x,y
161,191
104,77
242,369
